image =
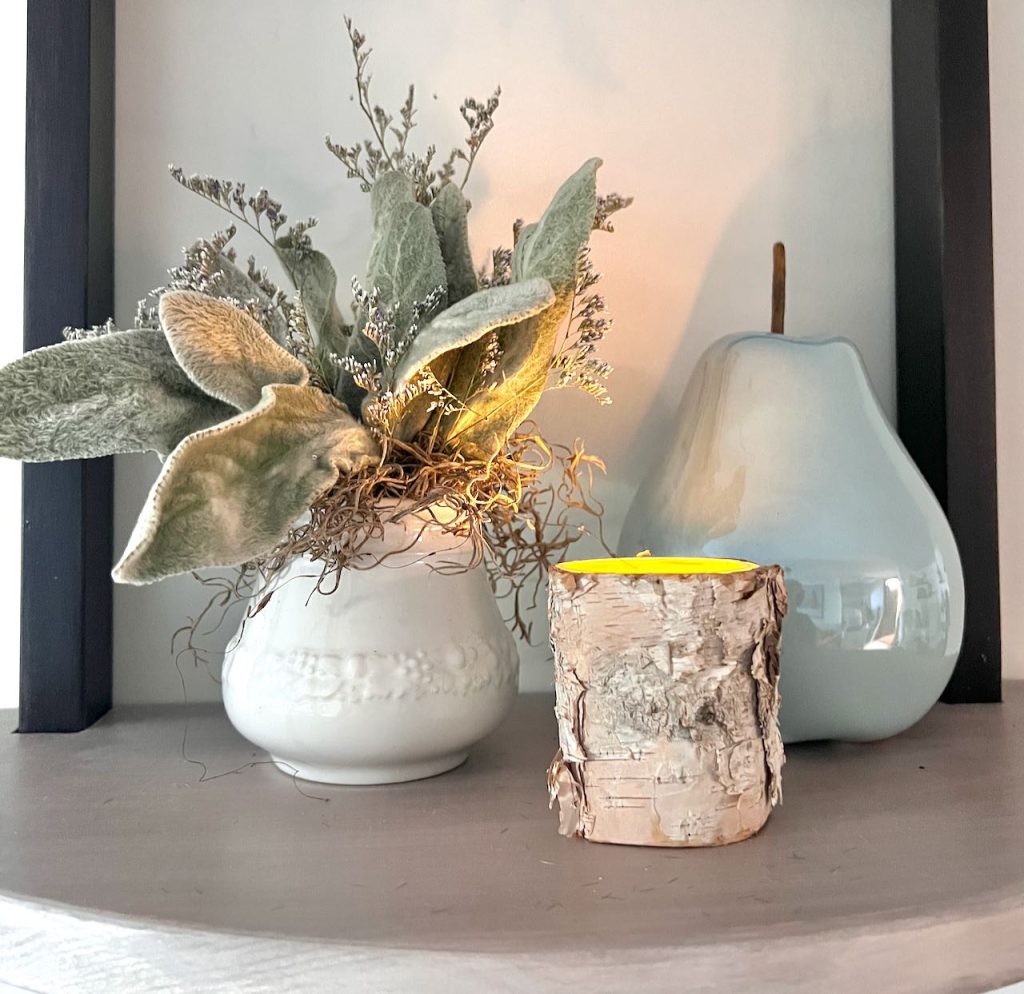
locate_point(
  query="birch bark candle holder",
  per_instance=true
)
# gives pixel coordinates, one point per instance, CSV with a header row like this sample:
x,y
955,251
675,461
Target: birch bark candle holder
x,y
666,681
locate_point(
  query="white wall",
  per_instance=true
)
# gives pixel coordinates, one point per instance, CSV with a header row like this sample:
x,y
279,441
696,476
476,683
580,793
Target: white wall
x,y
1006,64
733,124
12,177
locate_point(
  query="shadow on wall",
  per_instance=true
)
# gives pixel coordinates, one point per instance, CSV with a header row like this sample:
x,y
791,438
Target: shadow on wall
x,y
840,283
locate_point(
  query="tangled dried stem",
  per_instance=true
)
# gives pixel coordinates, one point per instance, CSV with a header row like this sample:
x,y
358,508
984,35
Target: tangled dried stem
x,y
519,514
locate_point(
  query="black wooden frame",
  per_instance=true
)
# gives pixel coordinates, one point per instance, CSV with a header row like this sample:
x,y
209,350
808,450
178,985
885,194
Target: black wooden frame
x,y
945,334
66,622
944,327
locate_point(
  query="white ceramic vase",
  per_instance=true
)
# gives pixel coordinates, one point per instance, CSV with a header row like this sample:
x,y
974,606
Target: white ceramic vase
x,y
393,676
783,455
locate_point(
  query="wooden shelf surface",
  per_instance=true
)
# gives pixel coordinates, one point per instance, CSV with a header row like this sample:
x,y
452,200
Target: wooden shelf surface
x,y
895,866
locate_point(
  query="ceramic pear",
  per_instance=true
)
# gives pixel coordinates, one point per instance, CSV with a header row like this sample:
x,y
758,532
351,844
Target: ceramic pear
x,y
783,455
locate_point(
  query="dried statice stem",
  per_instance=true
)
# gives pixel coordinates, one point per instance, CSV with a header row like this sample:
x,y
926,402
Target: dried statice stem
x,y
387,148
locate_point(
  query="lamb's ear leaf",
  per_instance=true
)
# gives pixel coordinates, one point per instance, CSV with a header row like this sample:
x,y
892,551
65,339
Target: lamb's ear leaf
x,y
224,350
550,250
499,406
389,190
405,262
405,265
100,396
314,277
472,318
526,234
449,211
234,284
229,494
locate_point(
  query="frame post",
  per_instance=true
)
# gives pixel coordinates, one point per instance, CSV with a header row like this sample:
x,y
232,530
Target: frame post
x,y
945,338
66,622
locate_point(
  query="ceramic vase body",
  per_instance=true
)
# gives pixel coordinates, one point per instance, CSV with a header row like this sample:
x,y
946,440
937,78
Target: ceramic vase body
x,y
392,677
784,456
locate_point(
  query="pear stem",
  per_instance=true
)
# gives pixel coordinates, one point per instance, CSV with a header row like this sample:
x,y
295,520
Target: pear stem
x,y
778,288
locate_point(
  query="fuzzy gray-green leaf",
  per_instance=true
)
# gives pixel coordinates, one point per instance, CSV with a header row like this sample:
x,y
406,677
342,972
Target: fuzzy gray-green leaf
x,y
224,351
449,211
232,283
405,262
470,319
526,234
116,393
230,494
550,249
389,190
317,282
313,275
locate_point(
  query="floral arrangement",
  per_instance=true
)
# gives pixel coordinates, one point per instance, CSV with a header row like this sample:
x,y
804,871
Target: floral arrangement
x,y
288,429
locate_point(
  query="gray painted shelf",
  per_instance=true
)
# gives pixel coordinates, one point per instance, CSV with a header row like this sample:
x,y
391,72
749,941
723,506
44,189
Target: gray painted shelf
x,y
895,866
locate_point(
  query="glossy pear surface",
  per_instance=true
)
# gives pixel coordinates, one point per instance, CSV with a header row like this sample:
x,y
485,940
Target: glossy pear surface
x,y
783,455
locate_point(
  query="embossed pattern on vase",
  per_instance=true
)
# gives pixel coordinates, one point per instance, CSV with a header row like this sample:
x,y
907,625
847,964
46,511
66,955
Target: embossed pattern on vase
x,y
392,676
325,683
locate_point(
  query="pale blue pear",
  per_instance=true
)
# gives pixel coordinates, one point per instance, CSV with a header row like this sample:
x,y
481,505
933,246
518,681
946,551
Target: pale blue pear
x,y
783,455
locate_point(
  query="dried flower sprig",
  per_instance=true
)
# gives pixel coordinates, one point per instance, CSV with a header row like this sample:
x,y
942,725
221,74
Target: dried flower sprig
x,y
479,117
381,329
608,205
209,267
387,148
492,353
201,263
386,404
301,344
275,298
500,272
383,413
96,331
260,211
576,364
230,196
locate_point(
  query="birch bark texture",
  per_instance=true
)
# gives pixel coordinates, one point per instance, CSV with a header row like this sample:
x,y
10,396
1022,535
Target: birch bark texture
x,y
667,704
